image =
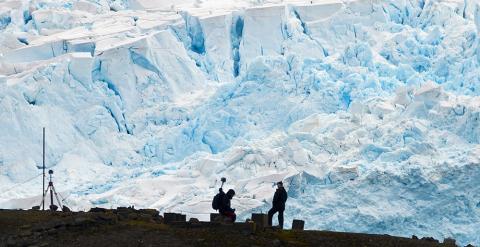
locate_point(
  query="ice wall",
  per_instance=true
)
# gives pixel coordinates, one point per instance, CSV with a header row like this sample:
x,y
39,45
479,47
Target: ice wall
x,y
369,110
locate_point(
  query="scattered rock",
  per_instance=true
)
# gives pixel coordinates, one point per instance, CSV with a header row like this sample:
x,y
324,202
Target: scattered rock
x,y
173,217
145,217
430,239
83,221
152,212
58,224
11,241
449,242
125,213
133,216
107,218
66,209
98,210
51,232
25,233
261,220
25,227
298,225
214,217
193,220
276,242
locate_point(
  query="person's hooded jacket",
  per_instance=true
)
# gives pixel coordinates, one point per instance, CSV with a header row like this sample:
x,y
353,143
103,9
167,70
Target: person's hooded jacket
x,y
279,198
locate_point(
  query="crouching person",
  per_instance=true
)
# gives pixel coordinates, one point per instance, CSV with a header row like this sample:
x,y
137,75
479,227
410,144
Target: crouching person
x,y
225,207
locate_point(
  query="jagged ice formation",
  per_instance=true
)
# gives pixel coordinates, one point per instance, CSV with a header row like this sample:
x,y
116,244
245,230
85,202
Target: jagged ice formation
x,y
369,110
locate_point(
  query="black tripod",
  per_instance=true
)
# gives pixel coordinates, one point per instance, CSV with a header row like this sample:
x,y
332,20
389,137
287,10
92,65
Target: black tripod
x,y
50,187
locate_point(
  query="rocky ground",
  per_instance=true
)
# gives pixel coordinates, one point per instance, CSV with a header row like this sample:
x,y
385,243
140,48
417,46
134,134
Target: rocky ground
x,y
145,227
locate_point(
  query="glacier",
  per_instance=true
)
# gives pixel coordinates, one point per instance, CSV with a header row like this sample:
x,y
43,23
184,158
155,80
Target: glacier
x,y
368,110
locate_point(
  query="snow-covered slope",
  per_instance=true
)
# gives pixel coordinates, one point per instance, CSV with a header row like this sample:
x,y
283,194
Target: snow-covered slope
x,y
369,110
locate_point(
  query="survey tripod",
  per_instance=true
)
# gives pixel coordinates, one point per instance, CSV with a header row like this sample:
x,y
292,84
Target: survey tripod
x,y
52,191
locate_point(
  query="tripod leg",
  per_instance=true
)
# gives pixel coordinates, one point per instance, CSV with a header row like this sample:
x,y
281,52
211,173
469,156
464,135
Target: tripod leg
x,y
51,196
56,196
43,198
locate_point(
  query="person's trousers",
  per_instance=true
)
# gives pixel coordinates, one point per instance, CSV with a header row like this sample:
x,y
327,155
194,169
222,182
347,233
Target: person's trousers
x,y
230,215
274,210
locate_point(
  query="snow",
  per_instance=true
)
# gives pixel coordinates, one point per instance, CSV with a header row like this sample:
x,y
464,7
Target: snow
x,y
368,110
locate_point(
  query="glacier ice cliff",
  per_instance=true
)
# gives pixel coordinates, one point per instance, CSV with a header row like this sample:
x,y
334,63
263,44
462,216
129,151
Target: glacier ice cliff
x,y
368,110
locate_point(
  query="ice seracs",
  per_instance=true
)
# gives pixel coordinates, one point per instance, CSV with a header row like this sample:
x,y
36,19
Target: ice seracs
x,y
369,110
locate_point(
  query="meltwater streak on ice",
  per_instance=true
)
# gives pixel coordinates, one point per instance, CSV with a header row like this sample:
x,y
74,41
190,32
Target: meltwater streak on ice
x,y
368,109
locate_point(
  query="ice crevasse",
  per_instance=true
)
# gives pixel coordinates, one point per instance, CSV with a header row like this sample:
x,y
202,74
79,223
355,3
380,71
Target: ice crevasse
x,y
368,110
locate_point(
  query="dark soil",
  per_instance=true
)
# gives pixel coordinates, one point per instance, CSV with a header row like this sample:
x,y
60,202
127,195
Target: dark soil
x,y
129,227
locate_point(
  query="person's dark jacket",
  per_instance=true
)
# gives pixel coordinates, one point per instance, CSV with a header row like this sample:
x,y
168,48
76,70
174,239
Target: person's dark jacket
x,y
279,198
225,205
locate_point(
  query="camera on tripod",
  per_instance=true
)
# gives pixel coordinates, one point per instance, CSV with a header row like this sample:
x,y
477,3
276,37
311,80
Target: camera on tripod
x,y
223,180
51,190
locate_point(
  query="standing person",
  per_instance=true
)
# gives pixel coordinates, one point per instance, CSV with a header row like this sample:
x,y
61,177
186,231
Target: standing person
x,y
225,206
278,204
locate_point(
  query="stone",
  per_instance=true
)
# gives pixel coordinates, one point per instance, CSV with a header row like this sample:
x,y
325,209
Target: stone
x,y
133,216
181,217
124,213
11,242
193,220
169,217
276,242
58,224
261,220
98,210
298,225
25,233
158,219
152,212
124,210
107,218
214,216
218,218
173,217
25,226
83,221
51,232
449,242
145,217
430,239
66,209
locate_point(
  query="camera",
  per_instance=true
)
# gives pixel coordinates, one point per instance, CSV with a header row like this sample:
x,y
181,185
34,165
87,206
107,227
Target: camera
x,y
223,180
50,171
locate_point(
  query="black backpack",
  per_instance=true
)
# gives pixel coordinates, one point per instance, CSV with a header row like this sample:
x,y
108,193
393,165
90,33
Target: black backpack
x,y
217,200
